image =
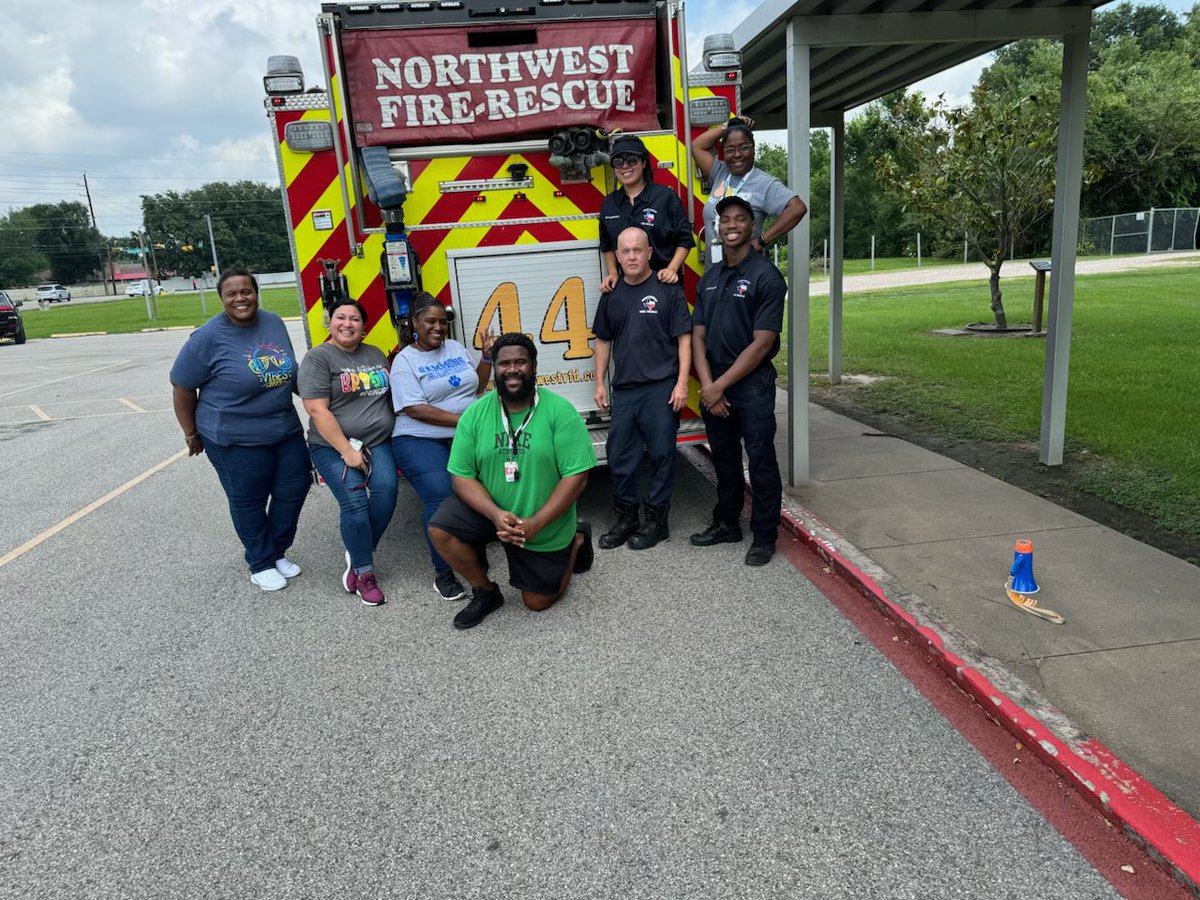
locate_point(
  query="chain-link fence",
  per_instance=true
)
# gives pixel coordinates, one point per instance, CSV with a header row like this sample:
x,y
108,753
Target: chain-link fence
x,y
1149,231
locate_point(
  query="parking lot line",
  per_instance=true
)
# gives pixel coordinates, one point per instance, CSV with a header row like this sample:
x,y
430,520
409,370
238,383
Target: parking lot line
x,y
90,508
40,413
41,384
130,404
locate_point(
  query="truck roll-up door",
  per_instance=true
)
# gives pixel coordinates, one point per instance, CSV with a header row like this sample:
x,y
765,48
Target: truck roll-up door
x,y
548,291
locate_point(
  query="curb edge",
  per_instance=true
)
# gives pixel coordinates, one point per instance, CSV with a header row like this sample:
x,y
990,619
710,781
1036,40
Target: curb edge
x,y
1103,778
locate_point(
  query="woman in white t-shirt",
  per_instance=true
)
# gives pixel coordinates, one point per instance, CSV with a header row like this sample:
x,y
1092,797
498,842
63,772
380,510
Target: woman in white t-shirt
x,y
433,380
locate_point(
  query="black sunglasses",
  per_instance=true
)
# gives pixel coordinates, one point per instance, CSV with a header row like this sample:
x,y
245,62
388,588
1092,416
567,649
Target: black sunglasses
x,y
366,470
626,160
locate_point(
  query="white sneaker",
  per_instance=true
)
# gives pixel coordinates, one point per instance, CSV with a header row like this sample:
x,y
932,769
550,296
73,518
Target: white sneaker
x,y
269,580
286,567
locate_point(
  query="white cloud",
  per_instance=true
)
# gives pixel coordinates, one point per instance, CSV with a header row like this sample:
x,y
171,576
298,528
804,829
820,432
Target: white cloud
x,y
154,95
144,96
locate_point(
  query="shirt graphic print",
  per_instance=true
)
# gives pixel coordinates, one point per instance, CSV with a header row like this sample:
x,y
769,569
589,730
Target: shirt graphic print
x,y
273,364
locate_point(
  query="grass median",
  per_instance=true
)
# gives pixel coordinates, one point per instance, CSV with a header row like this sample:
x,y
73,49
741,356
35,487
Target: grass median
x,y
129,314
1133,412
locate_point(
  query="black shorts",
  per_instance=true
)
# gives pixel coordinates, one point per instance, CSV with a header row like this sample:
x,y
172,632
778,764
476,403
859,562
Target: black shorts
x,y
536,571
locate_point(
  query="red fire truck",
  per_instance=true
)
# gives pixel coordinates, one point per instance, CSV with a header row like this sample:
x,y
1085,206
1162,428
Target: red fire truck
x,y
460,147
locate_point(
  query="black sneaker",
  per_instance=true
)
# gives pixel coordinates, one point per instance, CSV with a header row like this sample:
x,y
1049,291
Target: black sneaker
x,y
624,525
483,603
759,554
587,553
449,587
654,529
718,533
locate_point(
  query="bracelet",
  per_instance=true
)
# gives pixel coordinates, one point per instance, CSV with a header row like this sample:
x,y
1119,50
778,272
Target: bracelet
x,y
188,437
485,360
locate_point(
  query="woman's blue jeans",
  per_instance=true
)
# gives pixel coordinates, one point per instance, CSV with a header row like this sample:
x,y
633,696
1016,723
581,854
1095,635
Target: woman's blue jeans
x,y
367,511
423,462
266,486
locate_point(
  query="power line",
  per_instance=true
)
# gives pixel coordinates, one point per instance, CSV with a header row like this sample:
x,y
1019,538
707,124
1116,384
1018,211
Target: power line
x,y
247,162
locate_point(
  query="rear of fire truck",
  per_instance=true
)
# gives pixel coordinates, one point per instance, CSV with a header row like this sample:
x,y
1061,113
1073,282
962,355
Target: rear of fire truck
x,y
460,147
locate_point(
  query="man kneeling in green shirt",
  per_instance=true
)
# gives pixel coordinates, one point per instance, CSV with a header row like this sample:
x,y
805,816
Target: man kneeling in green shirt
x,y
519,461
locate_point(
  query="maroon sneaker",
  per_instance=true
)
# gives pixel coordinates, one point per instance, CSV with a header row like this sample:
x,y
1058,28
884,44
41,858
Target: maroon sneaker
x,y
369,590
349,579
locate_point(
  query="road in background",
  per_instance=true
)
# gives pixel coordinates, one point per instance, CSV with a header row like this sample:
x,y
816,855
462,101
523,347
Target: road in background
x,y
679,725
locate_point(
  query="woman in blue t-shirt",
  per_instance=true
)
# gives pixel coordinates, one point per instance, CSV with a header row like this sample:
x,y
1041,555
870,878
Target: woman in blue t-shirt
x,y
233,382
433,380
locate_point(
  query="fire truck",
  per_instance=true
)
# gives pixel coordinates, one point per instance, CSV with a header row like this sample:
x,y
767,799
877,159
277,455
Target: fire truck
x,y
461,147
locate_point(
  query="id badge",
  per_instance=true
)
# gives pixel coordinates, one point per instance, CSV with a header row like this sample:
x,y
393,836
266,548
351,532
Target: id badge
x,y
511,472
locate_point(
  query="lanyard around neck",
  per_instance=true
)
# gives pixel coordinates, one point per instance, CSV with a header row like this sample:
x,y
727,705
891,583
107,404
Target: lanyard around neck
x,y
509,433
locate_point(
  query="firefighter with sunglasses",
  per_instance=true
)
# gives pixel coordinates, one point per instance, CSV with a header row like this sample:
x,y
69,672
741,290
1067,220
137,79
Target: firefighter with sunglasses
x,y
654,208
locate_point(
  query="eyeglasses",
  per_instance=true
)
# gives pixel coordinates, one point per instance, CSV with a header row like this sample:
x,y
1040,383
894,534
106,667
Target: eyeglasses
x,y
739,149
620,162
366,470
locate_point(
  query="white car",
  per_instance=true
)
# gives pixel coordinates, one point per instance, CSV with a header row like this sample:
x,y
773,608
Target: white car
x,y
138,289
52,293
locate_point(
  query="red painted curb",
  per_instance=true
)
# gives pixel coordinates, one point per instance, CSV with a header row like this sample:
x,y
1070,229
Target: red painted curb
x,y
1104,780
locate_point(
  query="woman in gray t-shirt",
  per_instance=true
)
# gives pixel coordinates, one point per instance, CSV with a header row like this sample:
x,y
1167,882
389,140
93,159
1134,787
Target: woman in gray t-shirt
x,y
346,390
433,380
737,176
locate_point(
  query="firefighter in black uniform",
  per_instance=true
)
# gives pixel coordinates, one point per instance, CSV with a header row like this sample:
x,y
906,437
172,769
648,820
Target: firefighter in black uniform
x,y
737,320
643,325
652,207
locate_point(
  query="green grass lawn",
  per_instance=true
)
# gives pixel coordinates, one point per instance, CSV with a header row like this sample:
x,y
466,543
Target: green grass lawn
x,y
129,314
1132,405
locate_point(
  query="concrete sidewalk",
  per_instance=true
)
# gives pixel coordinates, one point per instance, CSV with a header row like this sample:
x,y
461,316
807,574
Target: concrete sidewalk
x,y
936,538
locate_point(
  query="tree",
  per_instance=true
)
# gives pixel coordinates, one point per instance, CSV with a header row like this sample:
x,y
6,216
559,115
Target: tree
x,y
985,171
873,207
1152,26
1142,138
20,258
247,220
65,236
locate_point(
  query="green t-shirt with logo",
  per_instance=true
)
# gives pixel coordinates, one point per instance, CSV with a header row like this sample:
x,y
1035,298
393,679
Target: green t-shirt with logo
x,y
553,445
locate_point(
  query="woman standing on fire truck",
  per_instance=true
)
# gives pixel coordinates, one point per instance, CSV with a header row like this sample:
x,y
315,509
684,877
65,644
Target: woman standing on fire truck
x,y
433,380
737,176
652,207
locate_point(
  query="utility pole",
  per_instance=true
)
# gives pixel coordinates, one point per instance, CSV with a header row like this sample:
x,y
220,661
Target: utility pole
x,y
151,300
153,258
107,246
213,244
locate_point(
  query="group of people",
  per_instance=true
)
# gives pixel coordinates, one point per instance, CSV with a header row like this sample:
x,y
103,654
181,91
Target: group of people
x,y
647,344
507,465
233,383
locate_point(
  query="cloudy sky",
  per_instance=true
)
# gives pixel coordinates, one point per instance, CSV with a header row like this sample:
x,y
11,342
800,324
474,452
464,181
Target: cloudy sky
x,y
152,95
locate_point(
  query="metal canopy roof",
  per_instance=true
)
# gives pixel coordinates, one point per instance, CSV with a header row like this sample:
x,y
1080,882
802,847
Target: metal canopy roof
x,y
879,46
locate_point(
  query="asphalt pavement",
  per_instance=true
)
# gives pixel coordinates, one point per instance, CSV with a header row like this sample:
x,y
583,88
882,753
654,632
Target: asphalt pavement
x,y
679,725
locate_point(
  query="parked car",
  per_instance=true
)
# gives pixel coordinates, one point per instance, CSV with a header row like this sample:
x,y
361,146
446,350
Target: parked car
x,y
138,289
52,293
11,325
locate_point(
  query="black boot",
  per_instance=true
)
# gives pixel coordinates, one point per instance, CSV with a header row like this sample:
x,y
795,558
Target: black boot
x,y
653,530
625,525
